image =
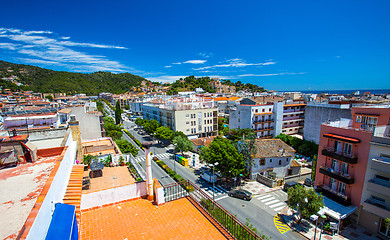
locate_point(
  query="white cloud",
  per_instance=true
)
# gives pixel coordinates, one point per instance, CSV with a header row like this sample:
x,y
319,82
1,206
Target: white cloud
x,y
195,61
269,74
177,63
165,78
168,66
51,50
235,62
9,46
205,54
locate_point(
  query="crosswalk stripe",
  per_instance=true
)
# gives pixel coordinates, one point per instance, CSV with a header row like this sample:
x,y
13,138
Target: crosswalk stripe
x,y
271,202
264,196
221,188
276,205
279,208
268,199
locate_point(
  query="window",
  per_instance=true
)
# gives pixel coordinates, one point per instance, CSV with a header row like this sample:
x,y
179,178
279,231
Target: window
x,y
347,148
187,122
204,121
263,110
205,129
270,160
262,162
344,168
280,162
204,114
382,178
187,115
342,188
384,228
358,118
270,109
257,110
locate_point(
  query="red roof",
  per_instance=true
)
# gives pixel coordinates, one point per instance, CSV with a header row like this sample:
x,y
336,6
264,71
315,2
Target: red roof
x,y
339,137
18,138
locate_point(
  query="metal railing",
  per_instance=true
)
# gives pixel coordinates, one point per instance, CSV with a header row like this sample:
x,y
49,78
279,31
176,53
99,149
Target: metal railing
x,y
229,222
339,152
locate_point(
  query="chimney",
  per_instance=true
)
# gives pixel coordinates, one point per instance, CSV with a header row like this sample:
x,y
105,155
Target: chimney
x,y
149,179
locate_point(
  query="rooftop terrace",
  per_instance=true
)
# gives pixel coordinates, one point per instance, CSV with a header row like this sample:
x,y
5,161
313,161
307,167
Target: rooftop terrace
x,y
140,219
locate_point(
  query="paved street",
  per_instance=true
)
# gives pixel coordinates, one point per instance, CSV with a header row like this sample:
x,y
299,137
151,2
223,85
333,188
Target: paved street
x,y
261,210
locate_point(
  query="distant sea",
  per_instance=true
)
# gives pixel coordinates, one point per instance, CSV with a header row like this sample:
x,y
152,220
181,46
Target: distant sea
x,y
372,91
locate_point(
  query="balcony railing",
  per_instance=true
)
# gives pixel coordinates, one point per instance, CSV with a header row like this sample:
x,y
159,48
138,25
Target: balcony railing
x,y
340,155
294,118
229,225
291,110
334,195
340,176
263,121
264,129
378,204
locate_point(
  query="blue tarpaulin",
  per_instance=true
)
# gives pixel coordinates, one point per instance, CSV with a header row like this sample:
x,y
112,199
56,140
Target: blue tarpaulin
x,y
63,225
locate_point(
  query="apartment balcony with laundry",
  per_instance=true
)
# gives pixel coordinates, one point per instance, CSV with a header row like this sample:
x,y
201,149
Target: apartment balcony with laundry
x,y
338,175
344,156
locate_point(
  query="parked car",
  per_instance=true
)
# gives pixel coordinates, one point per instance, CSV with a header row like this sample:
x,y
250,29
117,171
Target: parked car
x,y
208,177
287,185
308,182
243,194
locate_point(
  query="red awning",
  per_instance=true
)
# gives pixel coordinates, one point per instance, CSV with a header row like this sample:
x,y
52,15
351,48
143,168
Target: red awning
x,y
342,138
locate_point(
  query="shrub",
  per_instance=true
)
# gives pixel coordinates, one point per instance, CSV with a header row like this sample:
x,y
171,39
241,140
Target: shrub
x,y
190,188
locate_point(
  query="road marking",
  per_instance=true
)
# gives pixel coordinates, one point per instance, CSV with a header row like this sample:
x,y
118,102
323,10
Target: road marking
x,y
282,228
221,198
264,196
271,202
266,200
276,205
278,209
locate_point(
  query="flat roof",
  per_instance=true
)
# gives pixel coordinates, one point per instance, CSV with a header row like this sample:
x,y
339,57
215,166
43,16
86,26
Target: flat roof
x,y
140,219
22,185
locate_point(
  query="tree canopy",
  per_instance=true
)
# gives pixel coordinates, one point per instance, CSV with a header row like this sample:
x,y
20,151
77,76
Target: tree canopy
x,y
163,133
118,112
126,147
305,201
222,151
307,148
151,126
182,144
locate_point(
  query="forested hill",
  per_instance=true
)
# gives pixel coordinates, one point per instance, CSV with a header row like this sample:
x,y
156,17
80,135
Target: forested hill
x,y
49,81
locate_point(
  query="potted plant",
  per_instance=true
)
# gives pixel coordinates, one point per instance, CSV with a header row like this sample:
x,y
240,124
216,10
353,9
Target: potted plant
x,y
87,161
121,161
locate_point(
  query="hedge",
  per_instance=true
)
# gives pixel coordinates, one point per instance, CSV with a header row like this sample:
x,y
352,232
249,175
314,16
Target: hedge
x,y
134,139
168,170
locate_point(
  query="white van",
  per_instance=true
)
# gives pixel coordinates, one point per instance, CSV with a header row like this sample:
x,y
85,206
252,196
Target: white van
x,y
208,177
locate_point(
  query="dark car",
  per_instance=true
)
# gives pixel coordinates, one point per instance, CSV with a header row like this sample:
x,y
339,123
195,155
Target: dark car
x,y
288,185
243,194
308,182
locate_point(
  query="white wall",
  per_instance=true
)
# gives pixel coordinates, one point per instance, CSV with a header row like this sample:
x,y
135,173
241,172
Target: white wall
x,y
113,195
280,170
55,194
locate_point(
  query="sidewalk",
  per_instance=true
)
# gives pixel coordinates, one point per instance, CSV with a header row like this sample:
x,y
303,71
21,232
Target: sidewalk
x,y
257,188
306,229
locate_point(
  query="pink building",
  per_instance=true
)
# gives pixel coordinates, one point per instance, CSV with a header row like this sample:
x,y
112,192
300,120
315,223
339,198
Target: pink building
x,y
343,154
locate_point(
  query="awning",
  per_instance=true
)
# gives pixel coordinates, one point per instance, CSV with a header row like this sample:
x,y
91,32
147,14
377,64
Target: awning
x,y
342,138
368,114
336,210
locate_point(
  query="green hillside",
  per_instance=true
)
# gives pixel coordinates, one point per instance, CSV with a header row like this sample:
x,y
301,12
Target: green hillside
x,y
49,81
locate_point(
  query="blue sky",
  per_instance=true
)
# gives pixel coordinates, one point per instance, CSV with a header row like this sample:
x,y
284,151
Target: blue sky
x,y
280,45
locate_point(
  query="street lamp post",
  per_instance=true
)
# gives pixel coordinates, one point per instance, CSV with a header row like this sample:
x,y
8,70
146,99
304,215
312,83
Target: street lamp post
x,y
213,165
174,157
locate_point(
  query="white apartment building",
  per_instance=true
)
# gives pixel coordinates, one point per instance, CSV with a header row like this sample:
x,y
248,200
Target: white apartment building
x,y
195,117
375,201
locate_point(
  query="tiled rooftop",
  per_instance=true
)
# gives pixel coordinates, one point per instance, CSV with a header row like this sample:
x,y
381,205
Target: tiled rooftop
x,y
140,219
112,177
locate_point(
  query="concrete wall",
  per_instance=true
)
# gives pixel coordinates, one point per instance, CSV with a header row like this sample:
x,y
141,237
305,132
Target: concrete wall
x,y
278,118
280,170
44,134
55,194
113,195
317,114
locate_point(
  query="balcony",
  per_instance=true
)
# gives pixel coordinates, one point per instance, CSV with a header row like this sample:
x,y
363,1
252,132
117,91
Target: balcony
x,y
335,196
381,164
339,155
263,121
264,129
299,118
379,186
345,178
376,207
